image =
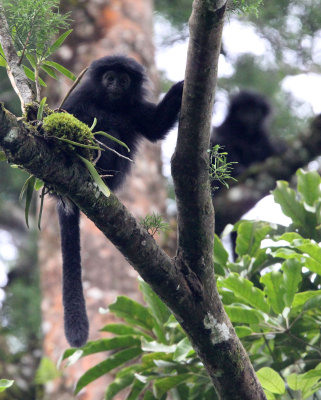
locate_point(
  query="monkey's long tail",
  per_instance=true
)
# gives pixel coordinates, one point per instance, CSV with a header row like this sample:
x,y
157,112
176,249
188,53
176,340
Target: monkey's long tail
x,y
75,316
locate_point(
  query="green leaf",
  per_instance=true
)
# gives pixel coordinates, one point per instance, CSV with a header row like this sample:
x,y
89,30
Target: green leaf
x,y
149,396
40,109
136,390
309,186
39,184
158,309
220,254
274,288
3,156
303,297
102,186
132,312
250,235
291,207
58,42
271,380
77,144
46,372
32,60
123,379
291,278
122,329
3,62
243,315
183,350
61,69
163,385
112,138
93,124
245,290
5,384
31,75
50,71
100,345
42,197
157,347
243,331
106,366
28,189
306,382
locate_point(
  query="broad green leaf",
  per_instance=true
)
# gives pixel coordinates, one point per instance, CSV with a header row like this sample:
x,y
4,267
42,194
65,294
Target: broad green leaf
x,y
122,329
183,350
5,384
305,382
291,278
123,379
97,346
31,75
61,69
50,71
249,236
136,390
271,380
245,290
314,302
101,184
149,396
243,315
3,156
269,395
46,372
309,186
163,385
303,297
132,312
32,60
157,307
313,250
149,360
291,207
106,366
243,331
112,138
220,254
158,347
40,109
58,42
274,288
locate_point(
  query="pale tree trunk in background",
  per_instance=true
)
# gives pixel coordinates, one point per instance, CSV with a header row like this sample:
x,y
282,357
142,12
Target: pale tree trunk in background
x,y
100,28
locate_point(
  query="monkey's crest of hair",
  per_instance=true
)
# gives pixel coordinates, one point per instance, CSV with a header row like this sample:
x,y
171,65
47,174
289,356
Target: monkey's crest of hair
x,y
66,126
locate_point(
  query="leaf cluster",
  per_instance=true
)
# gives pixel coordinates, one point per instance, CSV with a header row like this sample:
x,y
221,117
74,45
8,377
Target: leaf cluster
x,y
219,169
34,24
271,293
154,224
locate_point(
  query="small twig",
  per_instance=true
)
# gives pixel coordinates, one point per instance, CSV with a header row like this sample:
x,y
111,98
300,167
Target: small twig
x,y
113,150
24,47
72,87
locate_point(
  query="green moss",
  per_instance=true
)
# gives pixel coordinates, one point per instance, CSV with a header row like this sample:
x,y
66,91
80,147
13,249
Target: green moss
x,y
66,126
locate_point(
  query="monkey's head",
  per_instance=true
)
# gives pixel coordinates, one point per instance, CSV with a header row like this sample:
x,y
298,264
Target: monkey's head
x,y
249,108
117,79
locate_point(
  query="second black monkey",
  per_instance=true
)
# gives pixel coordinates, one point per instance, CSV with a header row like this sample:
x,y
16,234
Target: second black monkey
x,y
112,91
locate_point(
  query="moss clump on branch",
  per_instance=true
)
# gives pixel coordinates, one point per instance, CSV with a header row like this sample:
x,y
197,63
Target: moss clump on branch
x,y
68,128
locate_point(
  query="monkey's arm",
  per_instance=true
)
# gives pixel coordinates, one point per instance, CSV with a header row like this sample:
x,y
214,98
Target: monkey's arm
x,y
154,121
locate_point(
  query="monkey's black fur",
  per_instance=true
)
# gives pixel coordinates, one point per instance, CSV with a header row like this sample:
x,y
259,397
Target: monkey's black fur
x,y
244,133
112,91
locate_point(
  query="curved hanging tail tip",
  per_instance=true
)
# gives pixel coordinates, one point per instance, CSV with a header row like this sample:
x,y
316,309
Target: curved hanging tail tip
x,y
76,329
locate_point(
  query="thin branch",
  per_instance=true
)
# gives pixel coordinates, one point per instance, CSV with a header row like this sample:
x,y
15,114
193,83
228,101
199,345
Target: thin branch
x,y
17,77
82,73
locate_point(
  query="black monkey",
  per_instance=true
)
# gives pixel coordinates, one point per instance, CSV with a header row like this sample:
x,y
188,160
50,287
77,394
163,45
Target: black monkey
x,y
244,132
112,91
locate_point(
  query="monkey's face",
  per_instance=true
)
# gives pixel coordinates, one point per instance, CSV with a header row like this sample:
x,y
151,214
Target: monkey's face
x,y
116,84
